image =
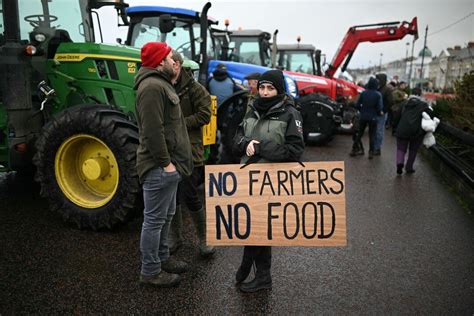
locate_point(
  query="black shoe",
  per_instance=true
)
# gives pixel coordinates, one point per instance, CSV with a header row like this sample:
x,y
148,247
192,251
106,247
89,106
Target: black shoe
x,y
257,284
242,273
371,154
172,265
377,152
162,279
400,168
410,171
356,152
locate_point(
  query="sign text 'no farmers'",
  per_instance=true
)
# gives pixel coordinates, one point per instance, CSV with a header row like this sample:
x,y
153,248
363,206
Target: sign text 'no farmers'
x,y
276,204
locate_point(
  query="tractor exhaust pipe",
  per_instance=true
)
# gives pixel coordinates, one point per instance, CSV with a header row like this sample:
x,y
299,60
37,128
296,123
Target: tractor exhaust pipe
x,y
317,59
274,49
203,54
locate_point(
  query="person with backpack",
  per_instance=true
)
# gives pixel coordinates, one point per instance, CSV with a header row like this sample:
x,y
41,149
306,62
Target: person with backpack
x,y
409,132
399,97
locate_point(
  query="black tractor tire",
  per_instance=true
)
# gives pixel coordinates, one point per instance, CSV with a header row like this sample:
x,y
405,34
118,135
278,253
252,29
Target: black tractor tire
x,y
318,113
229,116
120,135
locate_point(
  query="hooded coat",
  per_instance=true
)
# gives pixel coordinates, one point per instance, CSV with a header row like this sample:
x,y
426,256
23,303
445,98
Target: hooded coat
x,y
409,126
386,92
162,129
370,102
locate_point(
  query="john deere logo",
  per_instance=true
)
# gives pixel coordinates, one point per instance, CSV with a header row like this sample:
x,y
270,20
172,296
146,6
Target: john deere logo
x,y
68,57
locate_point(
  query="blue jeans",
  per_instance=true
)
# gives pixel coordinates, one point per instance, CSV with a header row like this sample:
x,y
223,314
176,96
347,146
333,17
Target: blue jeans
x,y
380,131
159,194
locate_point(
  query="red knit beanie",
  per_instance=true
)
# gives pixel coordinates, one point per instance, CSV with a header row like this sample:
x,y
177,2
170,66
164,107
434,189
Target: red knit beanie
x,y
153,53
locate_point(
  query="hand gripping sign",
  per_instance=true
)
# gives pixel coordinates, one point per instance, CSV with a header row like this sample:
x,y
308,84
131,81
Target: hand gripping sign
x,y
276,204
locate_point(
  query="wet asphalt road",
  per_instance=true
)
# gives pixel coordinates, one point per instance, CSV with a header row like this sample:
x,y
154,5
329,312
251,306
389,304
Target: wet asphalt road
x,y
410,251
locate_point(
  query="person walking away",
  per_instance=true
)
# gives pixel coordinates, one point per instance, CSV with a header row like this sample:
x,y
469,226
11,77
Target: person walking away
x,y
195,104
222,86
409,132
271,131
370,107
387,99
163,157
399,96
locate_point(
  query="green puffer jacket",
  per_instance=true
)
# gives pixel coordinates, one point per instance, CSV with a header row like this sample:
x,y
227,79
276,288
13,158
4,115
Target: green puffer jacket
x,y
195,103
279,131
162,129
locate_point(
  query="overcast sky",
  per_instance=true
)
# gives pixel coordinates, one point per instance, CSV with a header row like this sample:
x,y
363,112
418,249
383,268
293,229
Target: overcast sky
x,y
324,23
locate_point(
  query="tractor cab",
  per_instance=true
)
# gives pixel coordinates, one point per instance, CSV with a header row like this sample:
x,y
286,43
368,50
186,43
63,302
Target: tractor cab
x,y
297,58
249,46
187,31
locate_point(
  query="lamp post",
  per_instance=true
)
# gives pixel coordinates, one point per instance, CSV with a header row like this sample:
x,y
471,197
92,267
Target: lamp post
x,y
380,64
411,62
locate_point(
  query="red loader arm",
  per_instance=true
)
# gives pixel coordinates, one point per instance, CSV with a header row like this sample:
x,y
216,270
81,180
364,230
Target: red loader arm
x,y
381,32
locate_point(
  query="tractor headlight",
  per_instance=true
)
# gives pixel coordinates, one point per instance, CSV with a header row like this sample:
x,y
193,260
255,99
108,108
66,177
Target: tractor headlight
x,y
291,87
40,37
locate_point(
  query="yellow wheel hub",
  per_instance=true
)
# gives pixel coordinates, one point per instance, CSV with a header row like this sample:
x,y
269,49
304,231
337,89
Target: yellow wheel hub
x,y
86,171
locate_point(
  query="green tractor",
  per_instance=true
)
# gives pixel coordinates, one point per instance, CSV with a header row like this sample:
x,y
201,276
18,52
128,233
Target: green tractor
x,y
67,109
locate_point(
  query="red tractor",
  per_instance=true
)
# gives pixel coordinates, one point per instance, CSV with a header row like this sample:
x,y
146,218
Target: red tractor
x,y
317,93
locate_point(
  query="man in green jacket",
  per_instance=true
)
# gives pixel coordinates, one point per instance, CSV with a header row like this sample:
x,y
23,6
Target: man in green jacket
x,y
163,158
195,104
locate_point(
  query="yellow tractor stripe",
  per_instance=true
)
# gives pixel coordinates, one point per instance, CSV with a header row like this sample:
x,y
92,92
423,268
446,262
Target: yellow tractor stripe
x,y
66,57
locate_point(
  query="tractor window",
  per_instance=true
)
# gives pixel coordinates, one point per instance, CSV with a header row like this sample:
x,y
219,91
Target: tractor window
x,y
45,16
297,62
148,31
209,45
246,51
143,34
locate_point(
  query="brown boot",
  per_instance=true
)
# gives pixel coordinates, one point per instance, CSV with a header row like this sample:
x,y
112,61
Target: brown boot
x,y
162,279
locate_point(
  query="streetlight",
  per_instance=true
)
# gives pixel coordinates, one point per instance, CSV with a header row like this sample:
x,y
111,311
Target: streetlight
x,y
380,65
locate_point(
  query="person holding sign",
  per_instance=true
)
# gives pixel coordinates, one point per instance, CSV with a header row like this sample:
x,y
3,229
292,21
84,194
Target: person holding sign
x,y
271,131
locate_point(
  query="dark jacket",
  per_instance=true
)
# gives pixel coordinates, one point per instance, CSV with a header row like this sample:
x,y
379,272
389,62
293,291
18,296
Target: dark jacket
x,y
279,131
386,92
370,101
409,125
195,103
162,129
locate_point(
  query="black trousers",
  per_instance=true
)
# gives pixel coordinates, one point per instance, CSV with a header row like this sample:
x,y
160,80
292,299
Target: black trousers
x,y
261,255
372,130
188,190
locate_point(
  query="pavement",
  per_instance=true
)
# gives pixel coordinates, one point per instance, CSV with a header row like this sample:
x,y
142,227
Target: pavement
x,y
410,251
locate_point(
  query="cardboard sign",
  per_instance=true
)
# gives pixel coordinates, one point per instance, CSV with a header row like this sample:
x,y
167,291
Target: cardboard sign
x,y
276,204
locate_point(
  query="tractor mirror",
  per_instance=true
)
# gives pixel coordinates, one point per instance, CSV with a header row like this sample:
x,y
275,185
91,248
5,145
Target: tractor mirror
x,y
166,23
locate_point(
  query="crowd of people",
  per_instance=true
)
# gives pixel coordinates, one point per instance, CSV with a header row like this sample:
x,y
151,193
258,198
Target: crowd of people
x,y
392,106
172,109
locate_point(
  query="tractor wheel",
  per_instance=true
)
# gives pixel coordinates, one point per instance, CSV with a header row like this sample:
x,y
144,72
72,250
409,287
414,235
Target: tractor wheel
x,y
85,163
318,112
229,116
